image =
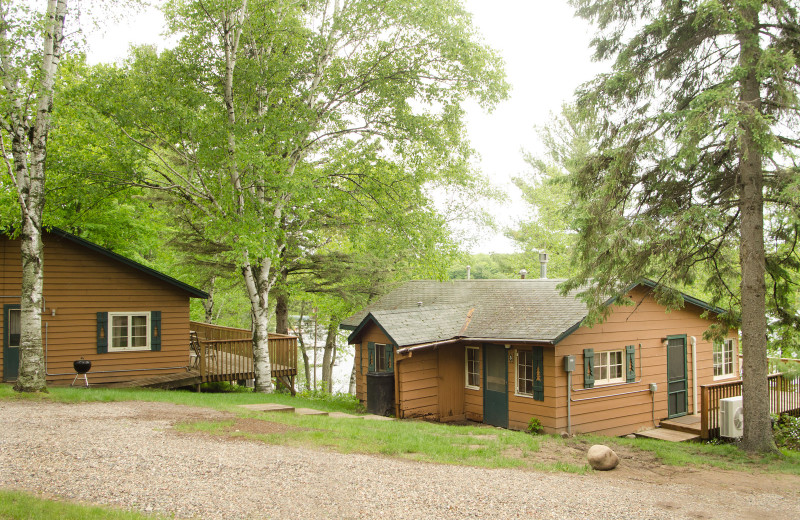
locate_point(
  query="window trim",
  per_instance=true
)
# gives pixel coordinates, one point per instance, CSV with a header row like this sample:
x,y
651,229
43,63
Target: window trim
x,y
477,368
597,367
516,373
148,332
733,356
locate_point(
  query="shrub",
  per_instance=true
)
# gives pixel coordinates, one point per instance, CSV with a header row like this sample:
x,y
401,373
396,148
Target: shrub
x,y
534,426
787,432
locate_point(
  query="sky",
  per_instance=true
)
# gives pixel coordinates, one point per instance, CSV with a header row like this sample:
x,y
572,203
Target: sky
x,y
547,55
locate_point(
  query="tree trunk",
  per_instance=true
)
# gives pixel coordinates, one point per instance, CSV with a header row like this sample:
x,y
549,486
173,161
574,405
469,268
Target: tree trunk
x,y
302,344
757,435
329,355
29,148
352,388
258,286
282,305
208,303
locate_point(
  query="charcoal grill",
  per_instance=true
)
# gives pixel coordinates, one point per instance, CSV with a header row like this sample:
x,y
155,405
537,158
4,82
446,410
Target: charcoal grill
x,y
81,366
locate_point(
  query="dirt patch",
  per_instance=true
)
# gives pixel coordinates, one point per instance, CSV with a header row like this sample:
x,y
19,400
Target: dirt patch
x,y
259,427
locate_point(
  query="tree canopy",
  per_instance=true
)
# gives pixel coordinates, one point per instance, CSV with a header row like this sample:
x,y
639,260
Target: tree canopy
x,y
695,163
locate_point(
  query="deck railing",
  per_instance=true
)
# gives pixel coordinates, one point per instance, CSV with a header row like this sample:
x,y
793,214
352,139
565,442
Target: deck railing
x,y
227,353
784,397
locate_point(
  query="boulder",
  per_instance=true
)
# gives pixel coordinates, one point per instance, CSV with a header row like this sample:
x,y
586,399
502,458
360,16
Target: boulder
x,y
602,457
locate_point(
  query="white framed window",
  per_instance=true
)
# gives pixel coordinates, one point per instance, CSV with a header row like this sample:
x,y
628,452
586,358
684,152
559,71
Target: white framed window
x,y
472,364
609,367
723,359
524,371
129,331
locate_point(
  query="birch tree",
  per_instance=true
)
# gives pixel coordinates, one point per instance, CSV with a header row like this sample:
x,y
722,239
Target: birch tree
x,y
30,52
271,115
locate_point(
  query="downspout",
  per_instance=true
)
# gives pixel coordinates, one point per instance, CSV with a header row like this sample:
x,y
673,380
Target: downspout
x,y
396,386
569,403
693,341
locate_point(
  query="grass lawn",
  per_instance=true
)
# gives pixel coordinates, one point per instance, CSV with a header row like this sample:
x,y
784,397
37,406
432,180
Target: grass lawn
x,y
23,506
418,440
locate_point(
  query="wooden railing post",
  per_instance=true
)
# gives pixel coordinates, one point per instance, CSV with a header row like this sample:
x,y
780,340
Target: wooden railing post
x,y
704,412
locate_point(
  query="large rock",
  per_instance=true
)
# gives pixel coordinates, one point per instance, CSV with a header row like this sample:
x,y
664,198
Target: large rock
x,y
602,457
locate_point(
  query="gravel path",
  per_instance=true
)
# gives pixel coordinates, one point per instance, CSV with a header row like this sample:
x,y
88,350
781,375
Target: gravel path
x,y
126,455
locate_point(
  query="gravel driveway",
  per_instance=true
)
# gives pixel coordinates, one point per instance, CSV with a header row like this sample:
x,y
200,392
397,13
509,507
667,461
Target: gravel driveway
x,y
126,455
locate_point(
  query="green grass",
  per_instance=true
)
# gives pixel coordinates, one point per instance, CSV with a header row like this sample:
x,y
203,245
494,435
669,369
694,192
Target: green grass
x,y
418,440
15,505
696,454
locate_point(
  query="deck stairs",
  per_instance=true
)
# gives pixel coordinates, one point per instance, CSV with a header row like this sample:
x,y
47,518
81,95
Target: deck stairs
x,y
679,429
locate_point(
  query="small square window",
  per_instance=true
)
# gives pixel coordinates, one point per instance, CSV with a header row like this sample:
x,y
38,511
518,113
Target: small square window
x,y
608,367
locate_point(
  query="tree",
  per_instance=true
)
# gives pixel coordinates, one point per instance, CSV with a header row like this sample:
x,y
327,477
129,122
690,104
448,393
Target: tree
x,y
546,191
697,138
30,52
269,114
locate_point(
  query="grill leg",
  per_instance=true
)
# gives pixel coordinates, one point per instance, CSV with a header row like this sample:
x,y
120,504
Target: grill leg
x,y
85,380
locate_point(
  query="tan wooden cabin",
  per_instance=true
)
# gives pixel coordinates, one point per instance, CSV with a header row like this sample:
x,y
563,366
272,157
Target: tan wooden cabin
x,y
130,321
505,351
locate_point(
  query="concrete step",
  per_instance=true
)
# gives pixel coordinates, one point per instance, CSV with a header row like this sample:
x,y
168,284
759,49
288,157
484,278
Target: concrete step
x,y
309,411
268,407
668,435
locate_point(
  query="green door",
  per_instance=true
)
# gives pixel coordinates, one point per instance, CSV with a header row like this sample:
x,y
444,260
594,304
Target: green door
x,y
10,342
495,389
677,395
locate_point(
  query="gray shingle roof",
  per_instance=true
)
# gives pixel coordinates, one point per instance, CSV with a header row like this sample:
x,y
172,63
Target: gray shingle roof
x,y
529,310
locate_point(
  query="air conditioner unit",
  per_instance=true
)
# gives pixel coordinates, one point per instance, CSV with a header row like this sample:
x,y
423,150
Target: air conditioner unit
x,y
730,417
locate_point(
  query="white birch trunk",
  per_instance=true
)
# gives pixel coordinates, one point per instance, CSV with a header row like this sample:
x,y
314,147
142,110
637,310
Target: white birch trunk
x,y
258,285
28,149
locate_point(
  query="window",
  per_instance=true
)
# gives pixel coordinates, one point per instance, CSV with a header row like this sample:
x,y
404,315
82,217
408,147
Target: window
x,y
524,372
129,331
380,357
13,327
608,367
723,359
472,364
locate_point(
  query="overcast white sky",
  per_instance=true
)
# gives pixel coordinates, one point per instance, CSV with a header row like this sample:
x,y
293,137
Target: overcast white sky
x,y
547,56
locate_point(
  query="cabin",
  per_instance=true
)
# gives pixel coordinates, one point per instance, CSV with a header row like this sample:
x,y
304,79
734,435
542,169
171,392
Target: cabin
x,y
503,352
132,322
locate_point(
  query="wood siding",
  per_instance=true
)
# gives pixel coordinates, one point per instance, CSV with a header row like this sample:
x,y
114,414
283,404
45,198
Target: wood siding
x,y
79,283
643,325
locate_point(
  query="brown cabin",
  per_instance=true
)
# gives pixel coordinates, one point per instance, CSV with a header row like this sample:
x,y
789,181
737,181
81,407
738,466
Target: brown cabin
x,y
129,320
505,351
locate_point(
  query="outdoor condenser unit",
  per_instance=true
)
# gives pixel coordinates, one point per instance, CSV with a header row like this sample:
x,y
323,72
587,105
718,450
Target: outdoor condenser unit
x,y
730,417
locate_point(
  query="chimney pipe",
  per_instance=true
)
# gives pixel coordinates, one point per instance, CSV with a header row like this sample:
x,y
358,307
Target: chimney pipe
x,y
523,273
543,264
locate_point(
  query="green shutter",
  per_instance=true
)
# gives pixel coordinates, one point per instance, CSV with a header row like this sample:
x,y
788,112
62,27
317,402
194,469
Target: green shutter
x,y
371,356
538,374
588,368
630,364
155,331
102,332
390,358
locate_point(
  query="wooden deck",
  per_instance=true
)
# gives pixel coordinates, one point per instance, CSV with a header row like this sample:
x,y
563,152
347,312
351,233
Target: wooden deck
x,y
679,429
223,354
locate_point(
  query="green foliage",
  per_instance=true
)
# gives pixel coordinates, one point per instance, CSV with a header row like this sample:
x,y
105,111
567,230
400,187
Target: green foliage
x,y
223,387
339,399
787,432
534,426
15,505
490,266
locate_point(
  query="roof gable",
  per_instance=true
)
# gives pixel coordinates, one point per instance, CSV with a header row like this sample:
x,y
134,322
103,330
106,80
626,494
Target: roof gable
x,y
193,291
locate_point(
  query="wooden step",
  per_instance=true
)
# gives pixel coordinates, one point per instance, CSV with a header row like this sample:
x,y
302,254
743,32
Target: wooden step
x,y
668,435
686,424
